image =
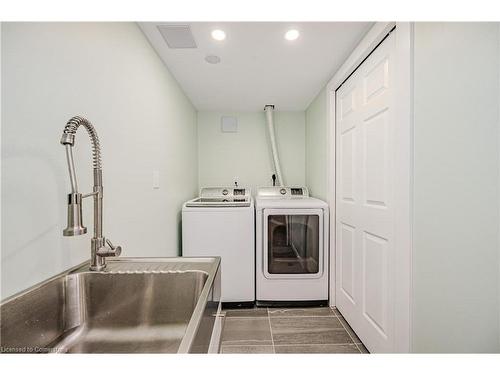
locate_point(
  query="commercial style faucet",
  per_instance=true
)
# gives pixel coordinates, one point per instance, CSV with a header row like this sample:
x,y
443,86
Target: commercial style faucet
x,y
100,246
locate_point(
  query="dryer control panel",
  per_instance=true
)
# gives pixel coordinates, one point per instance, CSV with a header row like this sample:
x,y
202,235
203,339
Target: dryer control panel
x,y
283,191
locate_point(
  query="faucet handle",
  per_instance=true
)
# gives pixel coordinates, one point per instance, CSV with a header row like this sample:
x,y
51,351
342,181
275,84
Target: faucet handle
x,y
116,249
111,251
110,244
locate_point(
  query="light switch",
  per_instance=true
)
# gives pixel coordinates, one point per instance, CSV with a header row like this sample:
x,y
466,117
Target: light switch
x,y
156,179
229,124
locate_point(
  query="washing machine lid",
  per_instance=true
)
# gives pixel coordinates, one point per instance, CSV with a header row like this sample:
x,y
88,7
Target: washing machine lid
x,y
222,197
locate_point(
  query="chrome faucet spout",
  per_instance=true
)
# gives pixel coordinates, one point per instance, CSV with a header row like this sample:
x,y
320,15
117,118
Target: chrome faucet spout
x,y
99,249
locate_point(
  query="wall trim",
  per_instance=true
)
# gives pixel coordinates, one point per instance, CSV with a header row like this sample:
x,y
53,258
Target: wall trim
x,y
404,211
498,236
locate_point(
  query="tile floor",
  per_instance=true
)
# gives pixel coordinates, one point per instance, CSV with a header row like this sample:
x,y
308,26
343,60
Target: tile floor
x,y
288,330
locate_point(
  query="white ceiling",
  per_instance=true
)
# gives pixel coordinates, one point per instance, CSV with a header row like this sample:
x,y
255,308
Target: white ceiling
x,y
258,66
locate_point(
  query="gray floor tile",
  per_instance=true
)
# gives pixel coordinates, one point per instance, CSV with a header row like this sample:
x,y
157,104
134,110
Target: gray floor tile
x,y
304,323
310,330
327,348
246,331
248,313
247,349
349,329
306,311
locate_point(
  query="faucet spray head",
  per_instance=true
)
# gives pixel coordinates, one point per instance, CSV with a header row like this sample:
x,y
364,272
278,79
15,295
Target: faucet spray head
x,y
75,226
68,139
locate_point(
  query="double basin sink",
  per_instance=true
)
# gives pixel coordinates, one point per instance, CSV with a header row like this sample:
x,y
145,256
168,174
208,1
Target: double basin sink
x,y
137,305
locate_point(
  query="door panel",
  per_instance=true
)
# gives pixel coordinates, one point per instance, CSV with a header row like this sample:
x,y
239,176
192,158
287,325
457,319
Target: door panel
x,y
375,159
365,202
375,280
347,165
347,240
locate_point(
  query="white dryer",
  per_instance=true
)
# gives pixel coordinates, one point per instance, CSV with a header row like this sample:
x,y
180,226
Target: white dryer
x,y
220,222
291,247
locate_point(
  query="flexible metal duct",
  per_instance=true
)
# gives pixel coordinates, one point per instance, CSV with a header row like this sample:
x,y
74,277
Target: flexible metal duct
x,y
269,109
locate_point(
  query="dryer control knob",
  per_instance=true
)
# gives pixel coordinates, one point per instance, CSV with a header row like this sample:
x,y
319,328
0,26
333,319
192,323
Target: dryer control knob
x,y
224,192
283,191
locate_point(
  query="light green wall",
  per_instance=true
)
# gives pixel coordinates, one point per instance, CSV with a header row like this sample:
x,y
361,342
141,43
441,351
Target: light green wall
x,y
109,73
456,188
246,155
316,146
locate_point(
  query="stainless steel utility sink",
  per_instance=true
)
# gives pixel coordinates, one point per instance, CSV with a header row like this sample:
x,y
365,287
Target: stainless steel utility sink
x,y
137,305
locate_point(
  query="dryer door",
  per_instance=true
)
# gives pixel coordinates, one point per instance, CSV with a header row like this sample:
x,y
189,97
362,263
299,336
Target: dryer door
x,y
293,243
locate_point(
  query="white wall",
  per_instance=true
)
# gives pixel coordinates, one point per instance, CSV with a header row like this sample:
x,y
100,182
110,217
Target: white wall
x,y
246,155
316,146
456,188
108,73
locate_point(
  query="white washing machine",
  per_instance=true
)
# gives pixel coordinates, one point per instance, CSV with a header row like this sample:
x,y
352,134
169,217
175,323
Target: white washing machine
x,y
291,247
221,222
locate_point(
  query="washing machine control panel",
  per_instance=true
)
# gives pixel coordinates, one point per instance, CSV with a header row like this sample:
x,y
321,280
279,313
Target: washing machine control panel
x,y
222,197
226,192
239,191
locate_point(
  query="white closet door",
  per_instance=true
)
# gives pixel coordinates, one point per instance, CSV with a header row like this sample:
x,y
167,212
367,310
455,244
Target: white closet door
x,y
365,199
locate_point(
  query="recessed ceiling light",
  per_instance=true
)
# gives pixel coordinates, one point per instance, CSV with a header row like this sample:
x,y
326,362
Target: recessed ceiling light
x,y
292,34
218,34
212,59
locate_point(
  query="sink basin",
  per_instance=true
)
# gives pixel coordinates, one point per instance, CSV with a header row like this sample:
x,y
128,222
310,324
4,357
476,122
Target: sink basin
x,y
137,305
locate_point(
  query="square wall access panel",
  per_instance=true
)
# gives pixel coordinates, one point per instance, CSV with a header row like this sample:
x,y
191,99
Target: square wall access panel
x,y
177,36
229,124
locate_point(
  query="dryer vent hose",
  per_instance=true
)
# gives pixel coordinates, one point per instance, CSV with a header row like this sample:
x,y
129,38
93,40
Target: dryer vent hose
x,y
269,109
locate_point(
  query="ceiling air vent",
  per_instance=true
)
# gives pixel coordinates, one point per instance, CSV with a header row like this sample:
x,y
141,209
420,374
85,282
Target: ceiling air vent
x,y
177,36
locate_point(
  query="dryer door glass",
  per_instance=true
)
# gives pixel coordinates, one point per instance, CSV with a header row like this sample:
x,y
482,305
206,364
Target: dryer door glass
x,y
293,244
